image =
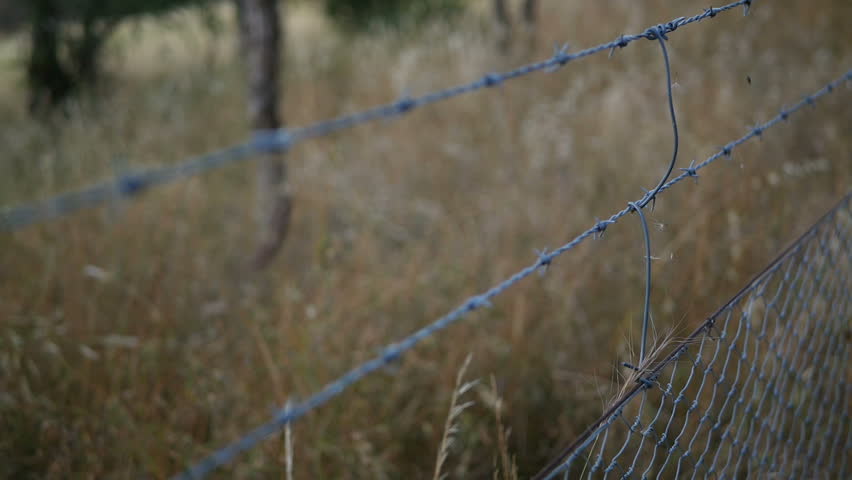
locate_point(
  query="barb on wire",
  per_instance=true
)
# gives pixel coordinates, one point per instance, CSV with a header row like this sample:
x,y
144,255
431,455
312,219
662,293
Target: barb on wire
x,y
394,351
17,217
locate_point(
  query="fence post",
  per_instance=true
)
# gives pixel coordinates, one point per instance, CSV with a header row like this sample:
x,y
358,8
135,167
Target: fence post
x,y
260,43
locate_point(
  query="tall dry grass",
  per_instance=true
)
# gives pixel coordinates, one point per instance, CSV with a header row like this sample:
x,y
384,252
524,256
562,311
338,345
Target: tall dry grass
x,y
130,345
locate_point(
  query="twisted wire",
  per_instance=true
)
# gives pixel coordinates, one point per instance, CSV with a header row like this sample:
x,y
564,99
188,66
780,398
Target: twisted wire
x,y
646,314
658,34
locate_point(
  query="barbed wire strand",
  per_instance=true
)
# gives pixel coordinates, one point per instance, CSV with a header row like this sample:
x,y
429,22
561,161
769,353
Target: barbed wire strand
x,y
394,351
17,217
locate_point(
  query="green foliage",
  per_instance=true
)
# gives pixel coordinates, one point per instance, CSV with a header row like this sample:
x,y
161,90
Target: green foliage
x,y
120,9
365,15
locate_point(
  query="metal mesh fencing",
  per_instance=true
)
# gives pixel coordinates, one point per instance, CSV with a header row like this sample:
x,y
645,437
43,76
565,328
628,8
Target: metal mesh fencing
x,y
760,390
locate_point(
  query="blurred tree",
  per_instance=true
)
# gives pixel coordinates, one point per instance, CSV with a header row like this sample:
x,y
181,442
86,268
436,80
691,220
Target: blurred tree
x,y
49,80
363,15
260,44
504,25
13,15
67,38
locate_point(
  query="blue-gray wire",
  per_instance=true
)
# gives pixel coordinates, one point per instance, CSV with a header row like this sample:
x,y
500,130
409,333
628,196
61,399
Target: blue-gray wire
x,y
394,351
656,33
646,312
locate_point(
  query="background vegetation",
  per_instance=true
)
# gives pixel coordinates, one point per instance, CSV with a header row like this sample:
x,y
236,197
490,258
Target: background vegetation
x,y
67,39
365,15
130,343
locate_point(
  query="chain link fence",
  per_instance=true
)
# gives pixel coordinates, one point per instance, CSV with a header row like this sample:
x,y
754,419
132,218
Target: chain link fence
x,y
760,390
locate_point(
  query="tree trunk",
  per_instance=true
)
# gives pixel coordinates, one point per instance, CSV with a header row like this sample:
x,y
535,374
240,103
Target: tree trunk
x,y
530,12
530,20
86,52
260,38
504,25
49,81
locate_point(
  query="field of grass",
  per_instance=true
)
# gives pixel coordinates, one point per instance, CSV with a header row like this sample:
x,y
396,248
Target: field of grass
x,y
132,342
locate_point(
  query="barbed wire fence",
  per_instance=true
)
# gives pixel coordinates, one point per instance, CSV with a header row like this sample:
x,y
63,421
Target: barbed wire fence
x,y
799,374
394,352
130,184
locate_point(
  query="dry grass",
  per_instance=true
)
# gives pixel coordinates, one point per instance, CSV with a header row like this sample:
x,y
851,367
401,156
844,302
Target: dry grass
x,y
129,347
450,426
